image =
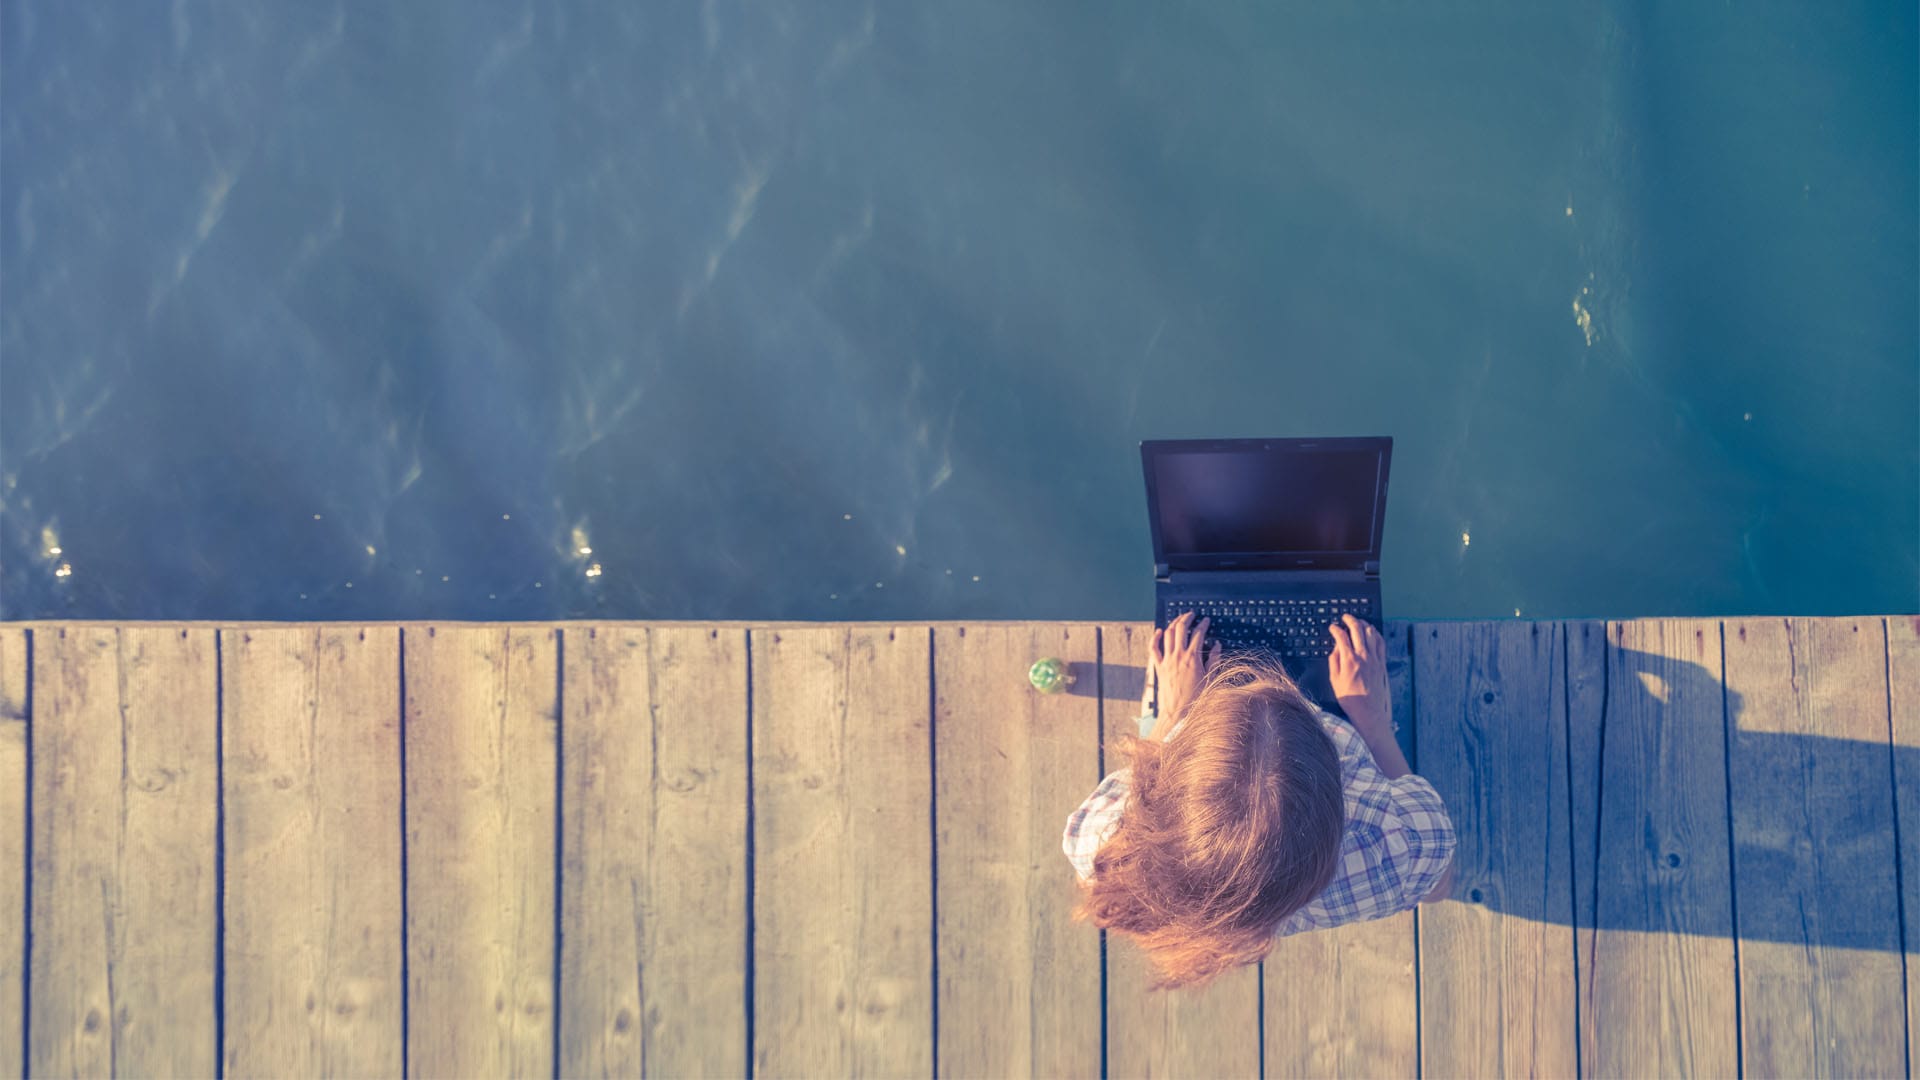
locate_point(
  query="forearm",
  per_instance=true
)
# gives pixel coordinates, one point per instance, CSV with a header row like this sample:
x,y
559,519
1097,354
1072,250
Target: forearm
x,y
1377,733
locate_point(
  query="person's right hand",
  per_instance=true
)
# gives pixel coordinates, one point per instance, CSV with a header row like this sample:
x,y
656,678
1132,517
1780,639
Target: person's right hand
x,y
1179,662
1357,667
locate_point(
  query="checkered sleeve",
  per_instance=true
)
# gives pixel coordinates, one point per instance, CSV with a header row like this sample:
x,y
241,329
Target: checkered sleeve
x,y
1089,826
1397,844
1427,831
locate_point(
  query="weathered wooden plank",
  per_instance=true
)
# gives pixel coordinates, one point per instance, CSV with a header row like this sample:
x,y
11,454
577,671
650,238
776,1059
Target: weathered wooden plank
x,y
1496,963
13,849
482,716
1657,994
843,852
125,894
313,842
1212,1031
654,892
1903,697
1019,980
1585,641
1343,1002
1814,858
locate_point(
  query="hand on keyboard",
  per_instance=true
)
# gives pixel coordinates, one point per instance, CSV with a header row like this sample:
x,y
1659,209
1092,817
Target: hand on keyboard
x,y
1358,671
1178,663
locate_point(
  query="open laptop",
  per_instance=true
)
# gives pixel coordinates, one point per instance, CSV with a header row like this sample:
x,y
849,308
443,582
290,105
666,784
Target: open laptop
x,y
1272,539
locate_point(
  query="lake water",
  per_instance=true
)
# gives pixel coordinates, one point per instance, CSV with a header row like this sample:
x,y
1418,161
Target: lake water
x,y
475,309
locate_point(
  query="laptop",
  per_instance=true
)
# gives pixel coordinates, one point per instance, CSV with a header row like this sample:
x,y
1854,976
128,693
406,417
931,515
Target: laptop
x,y
1272,539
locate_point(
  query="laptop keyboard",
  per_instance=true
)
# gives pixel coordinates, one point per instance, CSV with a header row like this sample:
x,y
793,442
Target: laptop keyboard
x,y
1295,628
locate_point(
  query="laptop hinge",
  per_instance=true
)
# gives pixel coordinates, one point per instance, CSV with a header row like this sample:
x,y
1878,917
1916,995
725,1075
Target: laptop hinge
x,y
1372,567
1160,571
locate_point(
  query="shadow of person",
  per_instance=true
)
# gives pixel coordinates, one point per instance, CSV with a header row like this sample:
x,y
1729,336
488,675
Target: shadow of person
x,y
1651,802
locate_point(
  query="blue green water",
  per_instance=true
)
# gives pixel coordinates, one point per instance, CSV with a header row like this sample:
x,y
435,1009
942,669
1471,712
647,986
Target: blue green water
x,y
850,311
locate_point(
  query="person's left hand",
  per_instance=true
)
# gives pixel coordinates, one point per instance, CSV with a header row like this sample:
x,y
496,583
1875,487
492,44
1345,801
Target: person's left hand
x,y
1178,664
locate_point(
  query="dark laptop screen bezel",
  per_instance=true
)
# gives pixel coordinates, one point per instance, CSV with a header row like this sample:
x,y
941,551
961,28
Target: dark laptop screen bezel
x,y
1252,560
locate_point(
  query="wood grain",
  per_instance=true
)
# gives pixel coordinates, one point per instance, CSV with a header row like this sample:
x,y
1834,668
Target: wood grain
x,y
1657,994
654,893
1821,985
314,919
1585,643
1019,979
843,852
125,894
1903,698
482,715
1496,961
1344,1002
13,849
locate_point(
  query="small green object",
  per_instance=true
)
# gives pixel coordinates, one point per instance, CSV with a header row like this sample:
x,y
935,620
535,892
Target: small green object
x,y
1050,675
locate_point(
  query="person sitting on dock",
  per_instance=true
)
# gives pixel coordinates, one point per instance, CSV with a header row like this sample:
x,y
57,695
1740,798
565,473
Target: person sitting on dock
x,y
1248,813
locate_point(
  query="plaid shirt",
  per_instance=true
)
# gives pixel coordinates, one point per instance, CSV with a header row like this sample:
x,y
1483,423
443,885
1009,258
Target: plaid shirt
x,y
1396,846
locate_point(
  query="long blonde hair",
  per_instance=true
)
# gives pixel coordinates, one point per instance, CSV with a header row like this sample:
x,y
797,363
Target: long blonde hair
x,y
1227,829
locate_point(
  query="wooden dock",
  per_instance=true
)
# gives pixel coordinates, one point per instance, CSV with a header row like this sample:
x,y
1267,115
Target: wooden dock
x,y
1688,847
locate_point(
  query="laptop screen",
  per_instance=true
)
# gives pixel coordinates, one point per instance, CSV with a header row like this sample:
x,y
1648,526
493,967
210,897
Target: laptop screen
x,y
1274,503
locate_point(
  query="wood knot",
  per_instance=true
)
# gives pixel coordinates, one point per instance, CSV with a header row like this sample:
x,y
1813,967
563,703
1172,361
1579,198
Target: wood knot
x,y
157,780
93,1020
623,1020
1487,697
283,781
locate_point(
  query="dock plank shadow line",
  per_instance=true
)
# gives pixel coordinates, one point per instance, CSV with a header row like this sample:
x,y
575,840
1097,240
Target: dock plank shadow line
x,y
1903,711
16,827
